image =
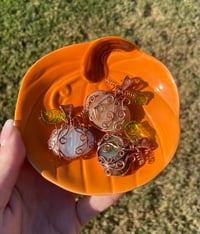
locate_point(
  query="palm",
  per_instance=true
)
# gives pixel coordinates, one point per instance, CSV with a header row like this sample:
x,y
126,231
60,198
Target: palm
x,y
44,208
31,204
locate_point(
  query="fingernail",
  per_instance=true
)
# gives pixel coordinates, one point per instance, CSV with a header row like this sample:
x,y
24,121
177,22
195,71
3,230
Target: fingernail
x,y
6,131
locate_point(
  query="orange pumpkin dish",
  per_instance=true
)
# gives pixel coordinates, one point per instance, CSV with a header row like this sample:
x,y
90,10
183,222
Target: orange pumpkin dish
x,y
78,74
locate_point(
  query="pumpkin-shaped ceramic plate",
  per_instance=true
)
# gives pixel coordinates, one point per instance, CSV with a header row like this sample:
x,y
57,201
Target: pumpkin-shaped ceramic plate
x,y
68,76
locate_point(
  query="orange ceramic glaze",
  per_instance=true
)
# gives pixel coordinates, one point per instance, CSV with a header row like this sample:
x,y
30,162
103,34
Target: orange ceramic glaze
x,y
68,76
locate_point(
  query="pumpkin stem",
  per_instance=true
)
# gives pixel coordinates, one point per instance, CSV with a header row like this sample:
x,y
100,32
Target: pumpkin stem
x,y
95,66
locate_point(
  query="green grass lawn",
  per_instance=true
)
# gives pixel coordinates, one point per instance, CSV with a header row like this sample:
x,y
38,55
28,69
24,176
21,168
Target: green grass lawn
x,y
168,30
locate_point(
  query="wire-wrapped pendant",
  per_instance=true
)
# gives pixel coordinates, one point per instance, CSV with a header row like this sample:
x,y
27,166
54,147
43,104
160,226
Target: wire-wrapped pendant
x,y
107,111
71,142
73,139
118,156
114,155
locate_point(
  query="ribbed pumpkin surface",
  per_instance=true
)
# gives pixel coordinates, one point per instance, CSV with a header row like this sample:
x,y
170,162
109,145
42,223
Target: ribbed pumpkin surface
x,y
59,78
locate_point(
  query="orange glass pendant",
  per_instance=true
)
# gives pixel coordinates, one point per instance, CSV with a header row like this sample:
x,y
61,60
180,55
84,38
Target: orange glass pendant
x,y
125,124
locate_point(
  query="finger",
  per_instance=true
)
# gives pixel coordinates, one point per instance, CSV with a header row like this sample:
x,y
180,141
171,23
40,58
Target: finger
x,y
89,207
12,154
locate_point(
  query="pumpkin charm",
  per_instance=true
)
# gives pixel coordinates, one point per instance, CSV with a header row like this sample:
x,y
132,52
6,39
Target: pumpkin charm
x,y
114,155
110,110
117,155
107,110
71,142
72,139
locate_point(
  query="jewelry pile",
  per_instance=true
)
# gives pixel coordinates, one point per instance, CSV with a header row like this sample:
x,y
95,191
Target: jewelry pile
x,y
124,144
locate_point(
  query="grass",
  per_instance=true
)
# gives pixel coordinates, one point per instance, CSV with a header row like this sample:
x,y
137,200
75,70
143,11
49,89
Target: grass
x,y
168,30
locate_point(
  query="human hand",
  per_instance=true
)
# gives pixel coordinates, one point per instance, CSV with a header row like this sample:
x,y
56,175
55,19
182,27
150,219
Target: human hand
x,y
30,204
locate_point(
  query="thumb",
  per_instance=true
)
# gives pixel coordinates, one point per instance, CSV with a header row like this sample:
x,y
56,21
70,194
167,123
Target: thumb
x,y
12,154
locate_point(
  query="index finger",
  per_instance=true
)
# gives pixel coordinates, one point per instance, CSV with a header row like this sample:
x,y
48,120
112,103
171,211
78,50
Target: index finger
x,y
12,154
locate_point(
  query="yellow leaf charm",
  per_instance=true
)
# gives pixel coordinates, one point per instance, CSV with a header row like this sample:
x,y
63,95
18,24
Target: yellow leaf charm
x,y
135,131
52,116
137,97
132,130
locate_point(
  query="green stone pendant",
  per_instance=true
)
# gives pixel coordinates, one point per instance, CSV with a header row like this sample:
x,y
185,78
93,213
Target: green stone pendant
x,y
114,155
